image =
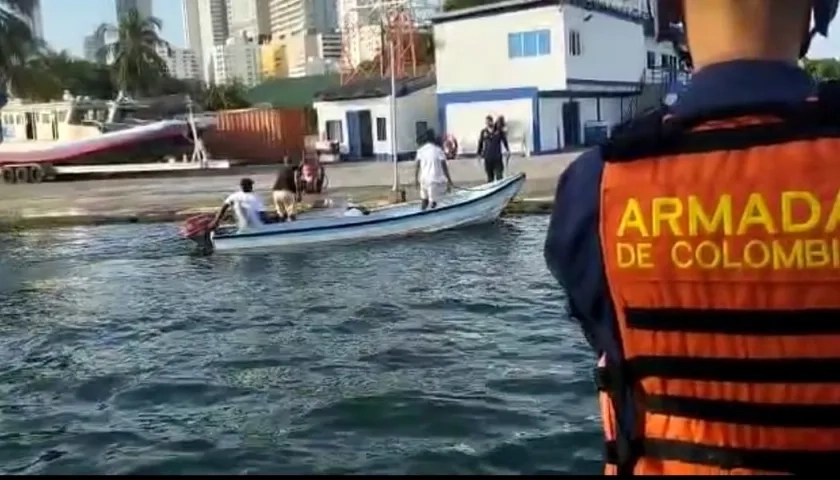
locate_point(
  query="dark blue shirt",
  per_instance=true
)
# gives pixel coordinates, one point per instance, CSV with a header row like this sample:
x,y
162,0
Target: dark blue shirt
x,y
572,248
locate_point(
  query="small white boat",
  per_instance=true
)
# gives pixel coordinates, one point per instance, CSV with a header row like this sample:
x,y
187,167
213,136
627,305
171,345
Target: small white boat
x,y
463,207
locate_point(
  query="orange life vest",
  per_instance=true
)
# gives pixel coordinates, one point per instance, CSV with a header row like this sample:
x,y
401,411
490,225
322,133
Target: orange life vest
x,y
721,242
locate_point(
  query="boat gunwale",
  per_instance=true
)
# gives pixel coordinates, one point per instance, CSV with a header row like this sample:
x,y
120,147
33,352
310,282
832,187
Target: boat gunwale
x,y
419,213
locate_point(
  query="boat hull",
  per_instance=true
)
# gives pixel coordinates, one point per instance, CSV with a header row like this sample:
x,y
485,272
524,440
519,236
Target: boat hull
x,y
481,205
137,144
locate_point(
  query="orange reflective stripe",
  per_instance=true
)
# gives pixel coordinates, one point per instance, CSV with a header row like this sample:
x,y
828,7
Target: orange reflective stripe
x,y
725,273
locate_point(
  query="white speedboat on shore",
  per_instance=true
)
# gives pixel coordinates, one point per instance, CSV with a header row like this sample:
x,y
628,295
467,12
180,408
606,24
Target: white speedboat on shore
x,y
463,207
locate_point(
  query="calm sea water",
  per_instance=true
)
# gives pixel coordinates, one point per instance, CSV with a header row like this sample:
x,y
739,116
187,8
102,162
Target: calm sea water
x,y
123,353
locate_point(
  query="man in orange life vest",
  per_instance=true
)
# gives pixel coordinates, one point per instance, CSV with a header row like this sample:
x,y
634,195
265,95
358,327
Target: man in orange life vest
x,y
700,250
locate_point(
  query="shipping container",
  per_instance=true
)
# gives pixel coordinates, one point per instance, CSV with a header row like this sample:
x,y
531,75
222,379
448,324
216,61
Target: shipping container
x,y
258,135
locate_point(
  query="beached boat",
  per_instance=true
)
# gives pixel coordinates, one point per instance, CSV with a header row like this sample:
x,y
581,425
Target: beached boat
x,y
463,207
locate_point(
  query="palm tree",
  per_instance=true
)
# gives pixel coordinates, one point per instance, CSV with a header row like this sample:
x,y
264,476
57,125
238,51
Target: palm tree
x,y
18,46
137,66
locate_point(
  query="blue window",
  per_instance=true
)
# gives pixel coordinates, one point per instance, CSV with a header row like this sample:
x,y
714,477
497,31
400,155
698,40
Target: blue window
x,y
543,42
529,44
515,45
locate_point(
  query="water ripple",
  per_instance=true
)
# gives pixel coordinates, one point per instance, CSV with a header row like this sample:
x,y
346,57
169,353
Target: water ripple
x,y
121,353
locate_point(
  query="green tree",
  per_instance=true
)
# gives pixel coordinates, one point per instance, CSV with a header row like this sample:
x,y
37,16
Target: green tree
x,y
137,67
450,5
18,47
55,72
223,97
822,68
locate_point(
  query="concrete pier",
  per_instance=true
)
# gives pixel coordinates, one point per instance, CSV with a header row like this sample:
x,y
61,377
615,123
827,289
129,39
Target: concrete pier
x,y
155,199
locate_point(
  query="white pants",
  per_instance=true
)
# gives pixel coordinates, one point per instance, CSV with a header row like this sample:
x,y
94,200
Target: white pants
x,y
432,192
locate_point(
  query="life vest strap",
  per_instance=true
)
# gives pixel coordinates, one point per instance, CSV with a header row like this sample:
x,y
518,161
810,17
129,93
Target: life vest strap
x,y
729,458
736,322
743,413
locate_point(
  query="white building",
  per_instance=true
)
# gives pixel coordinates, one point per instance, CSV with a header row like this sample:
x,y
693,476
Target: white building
x,y
181,62
205,26
143,7
238,59
248,17
551,68
93,44
313,54
291,17
358,116
362,20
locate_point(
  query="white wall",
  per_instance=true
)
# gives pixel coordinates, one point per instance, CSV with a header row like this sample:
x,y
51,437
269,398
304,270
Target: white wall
x,y
419,106
472,54
464,121
612,48
552,136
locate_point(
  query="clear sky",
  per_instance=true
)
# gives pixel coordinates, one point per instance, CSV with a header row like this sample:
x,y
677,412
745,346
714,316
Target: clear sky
x,y
66,22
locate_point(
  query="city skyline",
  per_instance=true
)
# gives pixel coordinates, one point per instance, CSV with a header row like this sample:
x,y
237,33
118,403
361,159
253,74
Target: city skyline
x,y
65,24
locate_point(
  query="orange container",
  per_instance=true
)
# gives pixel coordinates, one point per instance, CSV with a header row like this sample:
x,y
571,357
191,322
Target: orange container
x,y
258,136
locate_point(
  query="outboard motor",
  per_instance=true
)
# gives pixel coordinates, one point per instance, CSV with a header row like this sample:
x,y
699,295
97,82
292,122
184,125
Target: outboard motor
x,y
197,229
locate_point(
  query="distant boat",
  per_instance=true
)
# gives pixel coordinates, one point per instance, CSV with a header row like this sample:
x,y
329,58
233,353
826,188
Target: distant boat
x,y
464,207
43,139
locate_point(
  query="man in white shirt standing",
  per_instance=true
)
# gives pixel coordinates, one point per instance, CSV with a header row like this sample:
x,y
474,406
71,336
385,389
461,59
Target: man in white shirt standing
x,y
247,207
431,175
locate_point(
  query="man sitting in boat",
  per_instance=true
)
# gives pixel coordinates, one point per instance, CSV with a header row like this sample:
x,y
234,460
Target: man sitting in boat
x,y
286,192
312,174
246,206
431,174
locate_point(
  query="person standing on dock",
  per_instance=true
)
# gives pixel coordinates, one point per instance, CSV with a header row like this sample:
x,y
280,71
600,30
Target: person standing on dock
x,y
491,141
246,205
431,174
286,192
698,250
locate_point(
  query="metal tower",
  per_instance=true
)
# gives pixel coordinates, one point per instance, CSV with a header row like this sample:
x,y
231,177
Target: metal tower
x,y
370,28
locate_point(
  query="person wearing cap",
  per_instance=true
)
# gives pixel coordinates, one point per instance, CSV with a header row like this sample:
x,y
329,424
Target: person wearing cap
x,y
246,205
699,252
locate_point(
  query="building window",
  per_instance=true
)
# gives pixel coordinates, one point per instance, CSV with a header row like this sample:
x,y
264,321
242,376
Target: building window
x,y
381,129
529,44
420,130
651,60
575,48
334,131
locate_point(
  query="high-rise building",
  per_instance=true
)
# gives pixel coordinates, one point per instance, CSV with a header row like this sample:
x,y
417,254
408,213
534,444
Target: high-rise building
x,y
205,26
291,17
313,54
180,62
249,17
92,46
273,61
237,60
362,24
143,7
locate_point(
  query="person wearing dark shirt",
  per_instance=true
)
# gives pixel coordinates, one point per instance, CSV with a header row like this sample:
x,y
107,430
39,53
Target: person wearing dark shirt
x,y
286,192
490,144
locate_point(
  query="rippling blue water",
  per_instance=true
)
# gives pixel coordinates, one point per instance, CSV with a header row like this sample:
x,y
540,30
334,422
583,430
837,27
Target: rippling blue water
x,y
122,353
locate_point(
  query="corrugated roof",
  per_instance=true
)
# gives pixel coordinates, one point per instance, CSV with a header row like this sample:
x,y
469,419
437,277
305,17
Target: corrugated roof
x,y
376,87
291,92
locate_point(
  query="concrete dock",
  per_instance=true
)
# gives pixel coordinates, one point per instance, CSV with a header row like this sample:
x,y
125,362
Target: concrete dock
x,y
91,202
